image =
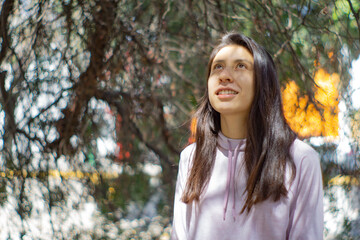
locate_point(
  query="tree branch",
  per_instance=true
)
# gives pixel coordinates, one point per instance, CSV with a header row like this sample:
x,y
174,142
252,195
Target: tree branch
x,y
6,9
356,15
86,86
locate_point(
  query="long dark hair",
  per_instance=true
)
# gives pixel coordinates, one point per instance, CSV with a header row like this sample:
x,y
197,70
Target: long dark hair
x,y
269,138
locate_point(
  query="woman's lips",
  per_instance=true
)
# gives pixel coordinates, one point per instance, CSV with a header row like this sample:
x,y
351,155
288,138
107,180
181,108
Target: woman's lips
x,y
226,94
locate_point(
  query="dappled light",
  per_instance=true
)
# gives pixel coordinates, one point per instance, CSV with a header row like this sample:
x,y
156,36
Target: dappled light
x,y
96,101
192,130
317,118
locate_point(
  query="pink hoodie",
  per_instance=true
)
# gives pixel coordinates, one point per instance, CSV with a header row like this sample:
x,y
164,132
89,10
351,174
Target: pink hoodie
x,y
299,216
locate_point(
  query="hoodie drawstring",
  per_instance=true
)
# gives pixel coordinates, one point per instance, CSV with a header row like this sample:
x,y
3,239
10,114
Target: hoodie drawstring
x,y
231,179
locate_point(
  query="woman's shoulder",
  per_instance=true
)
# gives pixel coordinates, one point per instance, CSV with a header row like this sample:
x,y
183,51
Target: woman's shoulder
x,y
188,151
185,157
303,153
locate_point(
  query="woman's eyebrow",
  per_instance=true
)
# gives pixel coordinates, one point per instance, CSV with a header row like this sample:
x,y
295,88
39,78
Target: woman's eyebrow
x,y
244,60
236,60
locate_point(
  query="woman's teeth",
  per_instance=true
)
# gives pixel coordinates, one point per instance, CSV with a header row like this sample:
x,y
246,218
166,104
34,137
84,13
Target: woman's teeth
x,y
226,92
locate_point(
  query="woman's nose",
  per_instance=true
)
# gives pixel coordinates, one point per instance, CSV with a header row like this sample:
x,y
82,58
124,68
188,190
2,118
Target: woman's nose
x,y
225,76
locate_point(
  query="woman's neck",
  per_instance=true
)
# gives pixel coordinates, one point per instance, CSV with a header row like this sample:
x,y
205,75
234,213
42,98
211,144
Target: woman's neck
x,y
233,126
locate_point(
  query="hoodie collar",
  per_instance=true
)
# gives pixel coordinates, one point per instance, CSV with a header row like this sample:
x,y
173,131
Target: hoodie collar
x,y
224,142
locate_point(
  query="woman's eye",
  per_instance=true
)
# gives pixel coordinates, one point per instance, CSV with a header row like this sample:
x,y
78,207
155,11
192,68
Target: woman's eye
x,y
217,66
240,65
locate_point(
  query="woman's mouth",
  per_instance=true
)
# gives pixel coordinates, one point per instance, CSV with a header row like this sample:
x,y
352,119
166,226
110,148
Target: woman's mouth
x,y
226,92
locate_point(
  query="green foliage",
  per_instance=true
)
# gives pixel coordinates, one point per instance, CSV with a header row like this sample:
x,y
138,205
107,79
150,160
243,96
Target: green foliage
x,y
3,192
132,186
345,235
131,73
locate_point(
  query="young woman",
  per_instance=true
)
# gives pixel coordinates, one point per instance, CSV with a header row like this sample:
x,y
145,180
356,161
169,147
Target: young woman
x,y
247,176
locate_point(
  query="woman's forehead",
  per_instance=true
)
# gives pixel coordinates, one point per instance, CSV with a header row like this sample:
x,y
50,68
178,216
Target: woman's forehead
x,y
233,53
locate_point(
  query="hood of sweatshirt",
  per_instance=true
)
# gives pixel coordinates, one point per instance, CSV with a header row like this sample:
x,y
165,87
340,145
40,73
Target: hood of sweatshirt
x,y
230,143
233,147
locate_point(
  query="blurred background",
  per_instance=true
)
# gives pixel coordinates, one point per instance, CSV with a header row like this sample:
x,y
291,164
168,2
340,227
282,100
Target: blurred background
x,y
97,97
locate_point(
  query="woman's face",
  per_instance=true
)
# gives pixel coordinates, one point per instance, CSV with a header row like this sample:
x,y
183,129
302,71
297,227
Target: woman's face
x,y
231,82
